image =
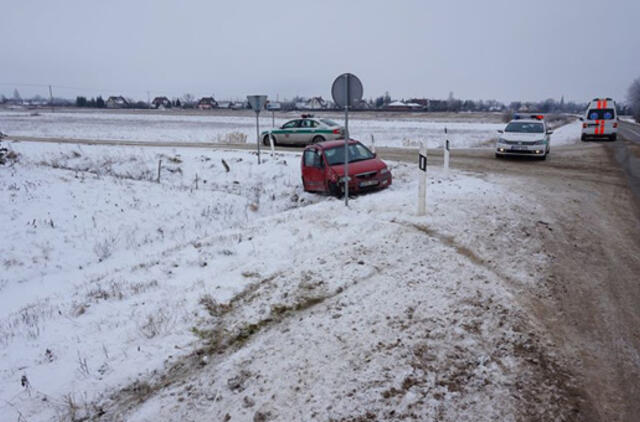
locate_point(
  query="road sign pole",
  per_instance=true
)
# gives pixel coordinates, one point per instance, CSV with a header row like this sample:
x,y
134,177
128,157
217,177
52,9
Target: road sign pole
x,y
258,133
346,91
346,146
257,102
422,184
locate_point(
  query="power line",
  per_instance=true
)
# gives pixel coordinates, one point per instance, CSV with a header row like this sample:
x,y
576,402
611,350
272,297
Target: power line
x,y
73,88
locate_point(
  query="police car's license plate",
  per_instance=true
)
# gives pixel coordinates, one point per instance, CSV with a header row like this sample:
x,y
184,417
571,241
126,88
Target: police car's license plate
x,y
519,148
368,183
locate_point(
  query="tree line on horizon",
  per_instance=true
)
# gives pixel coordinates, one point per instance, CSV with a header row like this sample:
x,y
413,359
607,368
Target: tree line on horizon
x,y
632,107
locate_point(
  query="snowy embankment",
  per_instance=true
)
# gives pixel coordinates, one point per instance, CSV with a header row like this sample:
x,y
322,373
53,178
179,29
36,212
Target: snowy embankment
x,y
127,299
233,129
567,134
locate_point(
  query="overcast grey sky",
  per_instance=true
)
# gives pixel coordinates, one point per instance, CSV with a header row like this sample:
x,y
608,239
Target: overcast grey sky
x,y
505,50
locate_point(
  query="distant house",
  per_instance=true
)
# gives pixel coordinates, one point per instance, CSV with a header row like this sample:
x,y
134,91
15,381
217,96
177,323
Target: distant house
x,y
424,102
239,105
207,103
402,106
161,102
116,102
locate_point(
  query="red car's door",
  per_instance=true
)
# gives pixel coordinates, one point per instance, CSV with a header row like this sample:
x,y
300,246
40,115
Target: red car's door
x,y
313,170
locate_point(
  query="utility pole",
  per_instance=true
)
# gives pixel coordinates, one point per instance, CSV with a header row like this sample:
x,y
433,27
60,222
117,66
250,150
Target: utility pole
x,y
51,98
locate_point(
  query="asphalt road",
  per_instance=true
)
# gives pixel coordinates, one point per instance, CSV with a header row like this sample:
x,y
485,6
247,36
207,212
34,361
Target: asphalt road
x,y
627,153
630,132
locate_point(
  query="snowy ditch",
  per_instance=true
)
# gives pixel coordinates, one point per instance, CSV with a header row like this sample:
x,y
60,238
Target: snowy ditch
x,y
246,298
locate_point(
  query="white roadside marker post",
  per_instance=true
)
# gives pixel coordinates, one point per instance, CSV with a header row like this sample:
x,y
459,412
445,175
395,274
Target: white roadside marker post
x,y
273,149
422,185
373,144
446,152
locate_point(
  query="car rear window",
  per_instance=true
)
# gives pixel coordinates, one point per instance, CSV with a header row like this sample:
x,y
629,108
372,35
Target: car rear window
x,y
526,127
357,152
328,122
600,114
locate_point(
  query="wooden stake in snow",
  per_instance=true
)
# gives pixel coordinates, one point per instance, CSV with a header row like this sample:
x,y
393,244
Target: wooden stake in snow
x,y
422,185
159,167
226,166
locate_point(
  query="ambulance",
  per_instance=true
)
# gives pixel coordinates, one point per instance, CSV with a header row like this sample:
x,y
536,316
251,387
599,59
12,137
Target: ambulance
x,y
601,120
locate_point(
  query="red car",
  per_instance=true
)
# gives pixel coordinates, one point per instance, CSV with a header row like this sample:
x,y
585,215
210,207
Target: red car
x,y
323,168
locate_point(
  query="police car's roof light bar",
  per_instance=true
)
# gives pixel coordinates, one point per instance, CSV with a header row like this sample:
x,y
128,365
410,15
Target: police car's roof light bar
x,y
530,116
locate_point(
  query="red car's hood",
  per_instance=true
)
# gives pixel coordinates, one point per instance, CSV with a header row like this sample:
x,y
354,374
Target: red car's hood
x,y
357,167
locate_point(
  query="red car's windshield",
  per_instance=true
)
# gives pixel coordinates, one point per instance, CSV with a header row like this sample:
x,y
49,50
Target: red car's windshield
x,y
357,152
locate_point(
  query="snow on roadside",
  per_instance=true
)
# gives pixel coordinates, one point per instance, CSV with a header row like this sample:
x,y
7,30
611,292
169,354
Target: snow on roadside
x,y
305,308
567,134
629,119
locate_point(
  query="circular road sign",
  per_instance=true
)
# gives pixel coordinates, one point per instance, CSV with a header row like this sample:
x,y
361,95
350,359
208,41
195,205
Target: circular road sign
x,y
344,97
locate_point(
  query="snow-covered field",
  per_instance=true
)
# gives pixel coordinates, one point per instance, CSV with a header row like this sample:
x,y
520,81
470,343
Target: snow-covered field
x,y
246,297
386,131
221,128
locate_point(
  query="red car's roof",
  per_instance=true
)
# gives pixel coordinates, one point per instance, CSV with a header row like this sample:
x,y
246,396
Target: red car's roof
x,y
332,144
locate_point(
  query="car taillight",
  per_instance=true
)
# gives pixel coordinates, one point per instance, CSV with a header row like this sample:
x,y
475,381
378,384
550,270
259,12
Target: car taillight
x,y
336,131
615,125
584,126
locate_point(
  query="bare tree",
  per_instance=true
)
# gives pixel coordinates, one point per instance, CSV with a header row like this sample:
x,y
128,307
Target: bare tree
x,y
188,99
633,97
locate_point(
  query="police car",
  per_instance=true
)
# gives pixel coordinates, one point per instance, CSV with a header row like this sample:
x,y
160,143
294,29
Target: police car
x,y
524,135
601,120
304,131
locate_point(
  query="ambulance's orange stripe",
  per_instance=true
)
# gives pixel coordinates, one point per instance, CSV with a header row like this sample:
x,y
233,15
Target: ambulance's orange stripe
x,y
604,104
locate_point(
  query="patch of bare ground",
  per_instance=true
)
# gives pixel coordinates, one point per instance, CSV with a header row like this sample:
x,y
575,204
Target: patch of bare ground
x,y
227,330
